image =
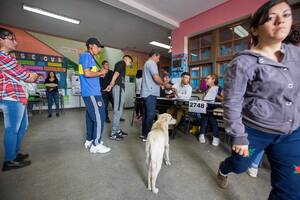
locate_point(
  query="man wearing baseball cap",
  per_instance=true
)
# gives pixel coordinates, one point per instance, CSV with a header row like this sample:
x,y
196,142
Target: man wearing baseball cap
x,y
89,74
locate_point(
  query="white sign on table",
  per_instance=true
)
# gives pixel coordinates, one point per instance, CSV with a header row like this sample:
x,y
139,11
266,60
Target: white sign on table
x,y
197,106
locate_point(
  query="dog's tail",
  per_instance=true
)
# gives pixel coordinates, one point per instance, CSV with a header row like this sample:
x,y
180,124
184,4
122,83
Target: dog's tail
x,y
148,149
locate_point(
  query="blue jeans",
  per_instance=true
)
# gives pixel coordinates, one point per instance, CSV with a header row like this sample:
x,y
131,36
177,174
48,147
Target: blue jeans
x,y
209,118
53,96
284,157
95,116
148,114
258,160
15,125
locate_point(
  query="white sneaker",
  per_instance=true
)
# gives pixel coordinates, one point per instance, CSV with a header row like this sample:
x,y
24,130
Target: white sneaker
x,y
216,141
100,148
252,172
202,138
88,144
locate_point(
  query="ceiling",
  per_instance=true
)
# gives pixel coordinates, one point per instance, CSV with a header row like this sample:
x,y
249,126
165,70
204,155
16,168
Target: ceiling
x,y
113,26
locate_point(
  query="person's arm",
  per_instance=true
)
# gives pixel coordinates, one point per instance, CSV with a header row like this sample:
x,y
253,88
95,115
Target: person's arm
x,y
112,82
89,73
235,84
12,68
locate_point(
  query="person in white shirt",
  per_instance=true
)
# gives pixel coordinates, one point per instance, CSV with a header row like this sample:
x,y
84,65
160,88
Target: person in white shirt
x,y
211,95
183,90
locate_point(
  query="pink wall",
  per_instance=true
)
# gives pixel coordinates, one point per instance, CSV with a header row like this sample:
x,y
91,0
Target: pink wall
x,y
226,12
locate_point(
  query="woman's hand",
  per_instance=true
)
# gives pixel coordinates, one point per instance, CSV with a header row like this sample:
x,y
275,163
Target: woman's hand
x,y
241,150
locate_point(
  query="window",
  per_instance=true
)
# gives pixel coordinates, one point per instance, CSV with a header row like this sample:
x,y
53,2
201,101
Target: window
x,y
221,67
200,48
232,39
195,75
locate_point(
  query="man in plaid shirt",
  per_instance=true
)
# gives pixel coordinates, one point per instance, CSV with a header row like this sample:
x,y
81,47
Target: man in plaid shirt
x,y
13,102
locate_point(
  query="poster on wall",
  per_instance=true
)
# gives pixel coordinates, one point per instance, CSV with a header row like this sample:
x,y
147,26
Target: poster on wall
x,y
131,70
75,82
179,65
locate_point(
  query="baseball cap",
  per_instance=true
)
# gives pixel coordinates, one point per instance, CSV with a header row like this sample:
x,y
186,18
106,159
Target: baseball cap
x,y
93,41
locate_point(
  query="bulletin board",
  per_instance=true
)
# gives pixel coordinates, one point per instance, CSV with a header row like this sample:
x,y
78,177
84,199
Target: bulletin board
x,y
42,64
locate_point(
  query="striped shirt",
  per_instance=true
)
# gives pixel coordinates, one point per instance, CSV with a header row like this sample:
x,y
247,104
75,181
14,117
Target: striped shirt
x,y
9,88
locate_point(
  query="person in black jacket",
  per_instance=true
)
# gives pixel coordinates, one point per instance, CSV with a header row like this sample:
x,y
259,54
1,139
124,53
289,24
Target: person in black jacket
x,y
106,95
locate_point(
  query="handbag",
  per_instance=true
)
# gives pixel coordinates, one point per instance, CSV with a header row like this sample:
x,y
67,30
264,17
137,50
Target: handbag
x,y
26,86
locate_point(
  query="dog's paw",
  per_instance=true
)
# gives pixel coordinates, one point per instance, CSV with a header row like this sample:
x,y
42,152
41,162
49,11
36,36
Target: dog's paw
x,y
168,163
149,188
155,190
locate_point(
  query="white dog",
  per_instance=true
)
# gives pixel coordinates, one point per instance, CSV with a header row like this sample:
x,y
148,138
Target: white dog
x,y
158,143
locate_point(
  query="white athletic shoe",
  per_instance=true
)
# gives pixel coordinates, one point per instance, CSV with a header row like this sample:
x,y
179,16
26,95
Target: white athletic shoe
x,y
88,144
252,172
100,148
202,138
216,141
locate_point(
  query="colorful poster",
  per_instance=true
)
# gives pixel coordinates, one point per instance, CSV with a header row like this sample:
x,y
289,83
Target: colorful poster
x,y
131,70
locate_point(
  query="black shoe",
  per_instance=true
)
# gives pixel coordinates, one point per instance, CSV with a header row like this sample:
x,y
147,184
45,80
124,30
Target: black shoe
x,y
107,120
49,115
57,114
122,133
122,120
116,137
8,165
21,157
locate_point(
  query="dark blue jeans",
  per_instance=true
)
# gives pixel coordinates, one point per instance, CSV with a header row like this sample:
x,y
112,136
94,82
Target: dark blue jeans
x,y
284,157
148,114
209,118
53,96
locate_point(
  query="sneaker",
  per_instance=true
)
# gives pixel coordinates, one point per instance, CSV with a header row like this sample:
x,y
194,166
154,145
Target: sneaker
x,y
122,133
252,171
88,144
21,157
202,138
222,180
116,137
107,120
12,164
216,141
144,140
49,115
141,137
100,148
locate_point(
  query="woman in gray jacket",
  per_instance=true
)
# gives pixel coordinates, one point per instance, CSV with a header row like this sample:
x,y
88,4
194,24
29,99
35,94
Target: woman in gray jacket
x,y
262,102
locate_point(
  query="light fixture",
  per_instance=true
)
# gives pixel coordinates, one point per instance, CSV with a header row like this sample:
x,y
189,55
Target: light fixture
x,y
240,31
160,44
50,14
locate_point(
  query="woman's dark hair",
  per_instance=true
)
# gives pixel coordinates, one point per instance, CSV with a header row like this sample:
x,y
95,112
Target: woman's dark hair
x,y
4,33
261,16
139,73
293,37
48,76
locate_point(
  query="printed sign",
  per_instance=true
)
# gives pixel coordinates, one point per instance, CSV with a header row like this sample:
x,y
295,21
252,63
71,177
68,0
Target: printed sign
x,y
197,106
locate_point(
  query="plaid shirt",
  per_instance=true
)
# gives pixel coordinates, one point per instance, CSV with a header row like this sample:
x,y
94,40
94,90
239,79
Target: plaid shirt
x,y
8,87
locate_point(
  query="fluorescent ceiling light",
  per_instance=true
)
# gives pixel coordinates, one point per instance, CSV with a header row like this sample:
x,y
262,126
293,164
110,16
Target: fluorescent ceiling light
x,y
160,44
50,14
194,54
240,31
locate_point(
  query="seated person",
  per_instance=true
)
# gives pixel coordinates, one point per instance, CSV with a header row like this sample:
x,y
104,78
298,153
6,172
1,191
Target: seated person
x,y
211,95
166,92
183,90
